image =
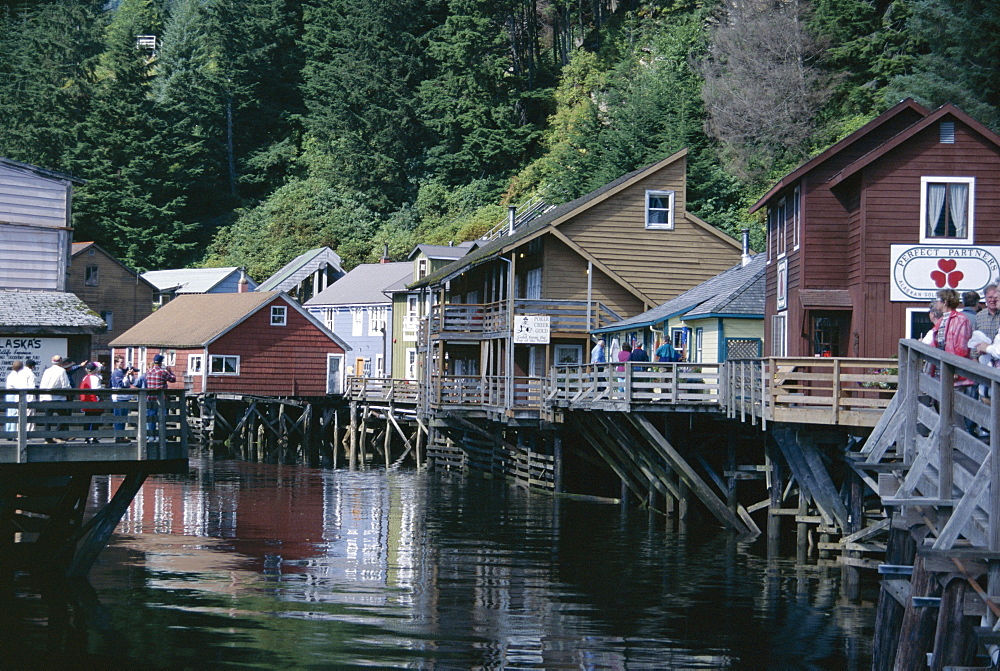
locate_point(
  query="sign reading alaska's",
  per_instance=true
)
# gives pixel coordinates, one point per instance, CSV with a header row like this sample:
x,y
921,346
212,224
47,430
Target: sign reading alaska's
x,y
919,271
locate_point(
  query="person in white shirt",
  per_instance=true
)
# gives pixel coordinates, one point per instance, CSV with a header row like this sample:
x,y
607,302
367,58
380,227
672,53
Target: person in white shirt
x,y
13,382
54,377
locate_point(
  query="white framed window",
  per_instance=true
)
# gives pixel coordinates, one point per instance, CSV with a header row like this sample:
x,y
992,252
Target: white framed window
x,y
367,367
411,363
796,217
781,228
421,268
918,322
379,365
376,321
533,284
334,373
660,209
779,334
946,209
279,315
357,321
224,364
699,335
328,318
169,357
196,363
130,356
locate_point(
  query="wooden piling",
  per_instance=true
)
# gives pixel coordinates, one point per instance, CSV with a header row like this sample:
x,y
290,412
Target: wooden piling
x,y
916,632
353,429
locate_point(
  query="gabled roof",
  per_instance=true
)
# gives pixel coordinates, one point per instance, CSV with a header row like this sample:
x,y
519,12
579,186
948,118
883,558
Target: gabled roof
x,y
191,280
947,109
39,312
553,218
41,172
737,292
364,285
445,251
299,268
198,320
80,247
907,106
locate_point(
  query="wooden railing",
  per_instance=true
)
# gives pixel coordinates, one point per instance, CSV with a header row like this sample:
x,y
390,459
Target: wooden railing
x,y
382,389
816,390
942,445
152,425
613,386
494,318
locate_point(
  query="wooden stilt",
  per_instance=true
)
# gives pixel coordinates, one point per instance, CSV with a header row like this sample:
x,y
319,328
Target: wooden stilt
x,y
900,551
103,524
917,628
388,434
353,430
952,640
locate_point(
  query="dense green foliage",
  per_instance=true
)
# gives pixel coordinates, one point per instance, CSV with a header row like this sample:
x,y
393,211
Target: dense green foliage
x,y
257,129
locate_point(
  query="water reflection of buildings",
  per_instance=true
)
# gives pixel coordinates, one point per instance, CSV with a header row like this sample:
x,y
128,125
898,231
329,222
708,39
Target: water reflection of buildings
x,y
415,566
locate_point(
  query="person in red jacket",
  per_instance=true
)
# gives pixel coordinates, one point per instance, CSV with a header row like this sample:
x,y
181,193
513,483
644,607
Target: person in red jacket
x,y
91,381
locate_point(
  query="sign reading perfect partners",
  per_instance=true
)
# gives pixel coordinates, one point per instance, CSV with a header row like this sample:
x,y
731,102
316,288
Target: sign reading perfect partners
x,y
920,271
531,329
13,348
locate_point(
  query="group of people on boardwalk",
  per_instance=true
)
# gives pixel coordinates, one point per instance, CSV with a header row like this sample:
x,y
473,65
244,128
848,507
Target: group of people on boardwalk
x,y
960,327
59,376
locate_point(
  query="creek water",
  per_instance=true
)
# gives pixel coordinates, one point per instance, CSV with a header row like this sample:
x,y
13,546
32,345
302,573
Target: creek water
x,y
263,566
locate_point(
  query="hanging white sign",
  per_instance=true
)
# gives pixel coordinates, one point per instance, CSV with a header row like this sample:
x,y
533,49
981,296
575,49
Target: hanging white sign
x,y
531,329
920,271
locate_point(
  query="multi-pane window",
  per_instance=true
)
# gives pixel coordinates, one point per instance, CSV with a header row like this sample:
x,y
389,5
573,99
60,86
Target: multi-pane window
x,y
92,276
533,284
195,363
946,209
279,315
660,209
224,364
357,321
376,320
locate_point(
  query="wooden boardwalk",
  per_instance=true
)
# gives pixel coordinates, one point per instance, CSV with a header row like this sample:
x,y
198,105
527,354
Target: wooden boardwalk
x,y
49,453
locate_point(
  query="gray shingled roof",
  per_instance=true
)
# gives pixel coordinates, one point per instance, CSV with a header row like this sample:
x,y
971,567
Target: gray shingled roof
x,y
41,312
364,285
738,291
299,268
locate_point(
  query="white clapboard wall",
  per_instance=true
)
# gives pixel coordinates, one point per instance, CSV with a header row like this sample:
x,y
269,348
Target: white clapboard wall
x,y
35,230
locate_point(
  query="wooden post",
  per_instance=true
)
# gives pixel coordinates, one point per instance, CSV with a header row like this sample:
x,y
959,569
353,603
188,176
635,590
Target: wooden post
x,y
900,551
363,437
917,629
388,435
952,641
557,454
354,436
774,492
416,451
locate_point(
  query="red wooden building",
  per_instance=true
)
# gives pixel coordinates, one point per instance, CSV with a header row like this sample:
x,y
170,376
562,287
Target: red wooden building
x,y
862,236
255,343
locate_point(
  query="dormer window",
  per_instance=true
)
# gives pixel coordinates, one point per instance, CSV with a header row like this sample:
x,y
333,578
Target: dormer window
x,y
946,209
660,209
421,268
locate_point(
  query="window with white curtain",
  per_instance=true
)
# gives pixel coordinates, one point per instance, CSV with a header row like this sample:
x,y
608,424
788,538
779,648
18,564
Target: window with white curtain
x,y
946,209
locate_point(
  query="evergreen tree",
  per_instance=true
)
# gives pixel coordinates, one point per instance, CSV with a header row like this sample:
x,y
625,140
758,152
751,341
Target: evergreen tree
x,y
960,49
47,58
364,64
134,192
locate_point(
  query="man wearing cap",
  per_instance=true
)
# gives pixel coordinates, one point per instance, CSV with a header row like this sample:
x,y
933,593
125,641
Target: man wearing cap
x,y
54,377
157,377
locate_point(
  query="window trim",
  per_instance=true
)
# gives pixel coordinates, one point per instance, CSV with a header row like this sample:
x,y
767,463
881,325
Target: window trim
x,y
92,276
970,225
357,322
279,315
195,358
671,199
782,319
109,318
214,357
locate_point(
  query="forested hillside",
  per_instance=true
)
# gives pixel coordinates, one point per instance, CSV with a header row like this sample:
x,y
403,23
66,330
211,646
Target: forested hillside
x,y
242,132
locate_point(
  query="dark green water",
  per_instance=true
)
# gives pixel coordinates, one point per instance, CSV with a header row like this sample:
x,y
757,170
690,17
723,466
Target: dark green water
x,y
245,565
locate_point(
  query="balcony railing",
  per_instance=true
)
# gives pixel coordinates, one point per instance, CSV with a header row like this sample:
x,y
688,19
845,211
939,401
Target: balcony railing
x,y
486,392
382,389
494,318
596,386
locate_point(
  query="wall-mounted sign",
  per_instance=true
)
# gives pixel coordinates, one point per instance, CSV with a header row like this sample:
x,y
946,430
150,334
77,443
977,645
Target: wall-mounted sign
x,y
920,271
531,329
782,296
13,348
